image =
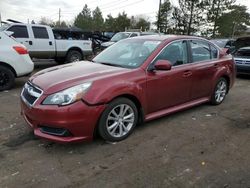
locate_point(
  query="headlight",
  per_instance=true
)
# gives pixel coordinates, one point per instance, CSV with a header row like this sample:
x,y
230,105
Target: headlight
x,y
67,96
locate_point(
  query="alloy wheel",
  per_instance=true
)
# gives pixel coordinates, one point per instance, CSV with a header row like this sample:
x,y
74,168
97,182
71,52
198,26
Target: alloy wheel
x,y
120,120
221,90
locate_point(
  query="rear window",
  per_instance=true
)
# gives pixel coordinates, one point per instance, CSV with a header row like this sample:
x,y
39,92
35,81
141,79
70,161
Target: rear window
x,y
19,31
40,32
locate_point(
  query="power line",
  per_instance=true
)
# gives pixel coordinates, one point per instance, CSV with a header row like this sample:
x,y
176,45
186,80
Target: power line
x,y
124,6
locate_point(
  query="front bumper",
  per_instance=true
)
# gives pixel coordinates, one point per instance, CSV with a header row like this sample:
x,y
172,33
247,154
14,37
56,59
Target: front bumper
x,y
78,120
243,69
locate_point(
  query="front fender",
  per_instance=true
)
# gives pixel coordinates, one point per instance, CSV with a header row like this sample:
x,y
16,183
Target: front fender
x,y
103,95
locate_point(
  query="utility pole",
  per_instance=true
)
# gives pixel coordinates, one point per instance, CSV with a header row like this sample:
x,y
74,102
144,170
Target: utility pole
x,y
0,19
59,16
159,15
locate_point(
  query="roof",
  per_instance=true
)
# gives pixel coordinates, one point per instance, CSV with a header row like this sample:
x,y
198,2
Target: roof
x,y
165,37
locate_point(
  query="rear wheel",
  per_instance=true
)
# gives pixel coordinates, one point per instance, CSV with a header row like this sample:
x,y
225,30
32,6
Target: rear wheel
x,y
73,56
118,120
7,78
220,91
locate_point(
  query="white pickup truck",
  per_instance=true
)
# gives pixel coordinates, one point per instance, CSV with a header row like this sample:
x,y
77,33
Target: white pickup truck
x,y
41,43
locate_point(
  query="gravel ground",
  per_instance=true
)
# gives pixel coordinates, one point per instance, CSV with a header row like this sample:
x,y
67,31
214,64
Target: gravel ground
x,y
206,146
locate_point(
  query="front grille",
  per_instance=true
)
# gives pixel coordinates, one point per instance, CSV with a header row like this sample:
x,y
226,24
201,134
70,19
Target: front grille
x,y
30,93
55,131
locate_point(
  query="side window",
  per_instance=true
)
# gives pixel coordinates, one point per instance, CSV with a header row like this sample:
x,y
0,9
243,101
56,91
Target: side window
x,y
200,51
133,35
214,52
176,53
19,31
40,32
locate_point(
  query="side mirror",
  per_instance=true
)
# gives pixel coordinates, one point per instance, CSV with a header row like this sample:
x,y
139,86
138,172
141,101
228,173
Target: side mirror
x,y
163,65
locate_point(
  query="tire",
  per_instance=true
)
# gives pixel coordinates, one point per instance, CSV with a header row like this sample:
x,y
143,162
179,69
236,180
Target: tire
x,y
73,56
113,127
220,91
7,78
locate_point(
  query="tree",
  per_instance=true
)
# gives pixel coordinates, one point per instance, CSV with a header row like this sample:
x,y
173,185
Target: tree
x,y
215,11
46,21
139,22
49,22
97,20
110,23
233,23
194,13
163,17
179,21
122,22
84,19
143,24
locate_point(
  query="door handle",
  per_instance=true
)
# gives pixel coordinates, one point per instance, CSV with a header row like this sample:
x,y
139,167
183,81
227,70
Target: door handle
x,y
29,41
50,43
187,73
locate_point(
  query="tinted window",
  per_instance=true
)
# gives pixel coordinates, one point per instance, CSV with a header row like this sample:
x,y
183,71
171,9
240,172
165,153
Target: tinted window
x,y
133,35
176,53
200,51
19,31
40,32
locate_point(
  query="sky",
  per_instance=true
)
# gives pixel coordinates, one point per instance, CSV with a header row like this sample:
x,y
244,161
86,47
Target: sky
x,y
24,10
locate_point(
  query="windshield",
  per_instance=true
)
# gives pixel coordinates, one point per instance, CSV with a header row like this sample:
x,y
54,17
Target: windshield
x,y
119,36
127,53
221,43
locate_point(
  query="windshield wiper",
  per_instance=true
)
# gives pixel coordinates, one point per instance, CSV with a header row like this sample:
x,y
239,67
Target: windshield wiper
x,y
111,64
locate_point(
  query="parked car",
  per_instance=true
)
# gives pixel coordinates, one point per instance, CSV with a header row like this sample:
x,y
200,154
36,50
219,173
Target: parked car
x,y
242,55
123,35
14,61
134,80
41,43
223,43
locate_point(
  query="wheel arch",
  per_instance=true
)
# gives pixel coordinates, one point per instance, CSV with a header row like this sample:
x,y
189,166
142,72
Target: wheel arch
x,y
74,48
137,103
9,67
228,81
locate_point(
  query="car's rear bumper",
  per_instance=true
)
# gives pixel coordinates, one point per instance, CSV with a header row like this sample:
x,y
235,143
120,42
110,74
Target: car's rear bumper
x,y
73,123
25,66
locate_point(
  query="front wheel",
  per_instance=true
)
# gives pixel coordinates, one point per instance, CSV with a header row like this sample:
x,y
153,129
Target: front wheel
x,y
220,91
118,120
7,78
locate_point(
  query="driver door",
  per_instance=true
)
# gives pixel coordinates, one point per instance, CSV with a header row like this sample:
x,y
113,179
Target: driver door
x,y
170,88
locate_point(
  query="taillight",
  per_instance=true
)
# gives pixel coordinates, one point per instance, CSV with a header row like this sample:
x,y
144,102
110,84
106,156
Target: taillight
x,y
20,50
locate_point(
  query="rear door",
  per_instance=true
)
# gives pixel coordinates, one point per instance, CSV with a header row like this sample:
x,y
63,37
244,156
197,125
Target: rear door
x,y
204,57
42,43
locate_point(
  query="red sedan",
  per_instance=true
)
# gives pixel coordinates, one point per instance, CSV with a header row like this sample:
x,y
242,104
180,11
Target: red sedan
x,y
135,80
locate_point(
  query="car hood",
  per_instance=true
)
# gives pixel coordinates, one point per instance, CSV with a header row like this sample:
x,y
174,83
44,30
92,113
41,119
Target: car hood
x,y
58,78
242,42
107,44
